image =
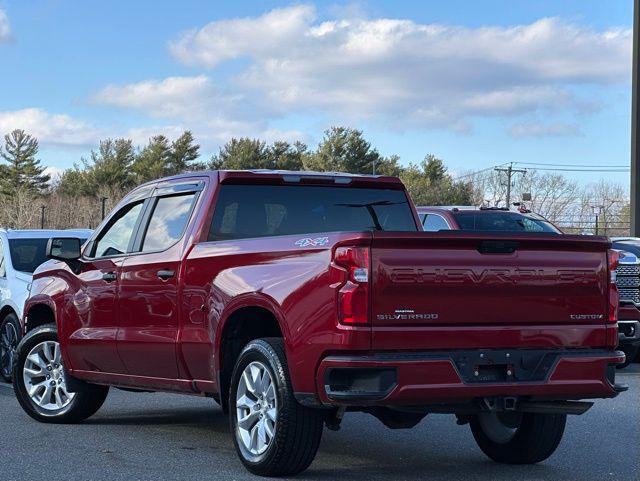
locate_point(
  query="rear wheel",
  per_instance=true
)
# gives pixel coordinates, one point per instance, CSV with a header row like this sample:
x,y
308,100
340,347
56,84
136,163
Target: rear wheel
x,y
273,434
518,438
40,384
630,353
9,338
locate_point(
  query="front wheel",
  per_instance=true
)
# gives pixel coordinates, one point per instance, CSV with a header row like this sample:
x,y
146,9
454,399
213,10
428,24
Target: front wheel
x,y
518,438
273,434
40,384
9,339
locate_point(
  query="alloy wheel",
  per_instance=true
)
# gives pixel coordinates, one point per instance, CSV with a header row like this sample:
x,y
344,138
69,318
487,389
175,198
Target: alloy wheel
x,y
500,427
256,408
43,377
8,344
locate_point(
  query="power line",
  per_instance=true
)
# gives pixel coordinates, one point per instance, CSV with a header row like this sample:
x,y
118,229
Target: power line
x,y
470,174
572,165
614,170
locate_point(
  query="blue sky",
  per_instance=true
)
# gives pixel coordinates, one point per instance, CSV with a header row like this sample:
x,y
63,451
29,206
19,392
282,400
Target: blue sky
x,y
476,83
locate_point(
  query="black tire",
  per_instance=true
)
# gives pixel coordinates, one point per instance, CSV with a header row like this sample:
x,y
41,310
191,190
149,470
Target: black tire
x,y
298,430
10,334
630,353
83,405
536,438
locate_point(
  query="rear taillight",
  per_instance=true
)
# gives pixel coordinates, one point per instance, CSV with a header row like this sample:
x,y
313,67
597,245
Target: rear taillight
x,y
613,258
353,296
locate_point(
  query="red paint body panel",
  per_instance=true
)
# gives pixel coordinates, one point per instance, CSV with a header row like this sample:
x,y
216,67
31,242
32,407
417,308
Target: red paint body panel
x,y
437,381
148,315
425,285
142,332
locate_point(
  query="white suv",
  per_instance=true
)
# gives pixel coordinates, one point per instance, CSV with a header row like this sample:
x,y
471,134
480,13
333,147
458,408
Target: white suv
x,y
21,252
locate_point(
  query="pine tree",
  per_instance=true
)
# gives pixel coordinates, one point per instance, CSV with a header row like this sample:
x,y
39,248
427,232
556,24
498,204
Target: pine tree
x,y
23,171
183,154
153,161
243,153
344,149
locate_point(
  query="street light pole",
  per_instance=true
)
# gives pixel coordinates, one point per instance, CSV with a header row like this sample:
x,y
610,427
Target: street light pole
x,y
103,209
635,126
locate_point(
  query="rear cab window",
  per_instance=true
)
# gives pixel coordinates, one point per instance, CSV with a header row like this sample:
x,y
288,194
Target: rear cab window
x,y
248,211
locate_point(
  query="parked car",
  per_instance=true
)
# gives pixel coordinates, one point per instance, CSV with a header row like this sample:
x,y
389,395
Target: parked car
x,y
291,298
484,219
21,251
502,219
628,279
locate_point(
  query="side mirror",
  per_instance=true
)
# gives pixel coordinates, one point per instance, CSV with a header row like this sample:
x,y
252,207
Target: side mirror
x,y
64,248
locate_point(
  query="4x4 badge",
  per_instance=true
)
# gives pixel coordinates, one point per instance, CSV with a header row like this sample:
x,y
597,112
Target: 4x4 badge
x,y
312,242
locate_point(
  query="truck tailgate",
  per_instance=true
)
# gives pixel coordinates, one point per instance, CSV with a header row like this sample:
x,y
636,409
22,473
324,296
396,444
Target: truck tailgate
x,y
456,290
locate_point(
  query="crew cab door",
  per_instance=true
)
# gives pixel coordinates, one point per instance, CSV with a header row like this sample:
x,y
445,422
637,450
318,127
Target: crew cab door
x,y
91,346
149,285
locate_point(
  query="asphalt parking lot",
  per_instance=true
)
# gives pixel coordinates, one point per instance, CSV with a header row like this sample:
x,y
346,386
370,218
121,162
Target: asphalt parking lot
x,y
166,436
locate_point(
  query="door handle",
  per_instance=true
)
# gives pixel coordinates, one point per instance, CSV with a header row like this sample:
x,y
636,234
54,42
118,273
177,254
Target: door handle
x,y
109,276
165,274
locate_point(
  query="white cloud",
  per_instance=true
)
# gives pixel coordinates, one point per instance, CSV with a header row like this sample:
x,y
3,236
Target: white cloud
x,y
173,97
227,39
535,129
5,29
403,73
196,104
50,128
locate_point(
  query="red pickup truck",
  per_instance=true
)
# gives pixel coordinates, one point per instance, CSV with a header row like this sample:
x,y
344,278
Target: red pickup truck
x,y
291,298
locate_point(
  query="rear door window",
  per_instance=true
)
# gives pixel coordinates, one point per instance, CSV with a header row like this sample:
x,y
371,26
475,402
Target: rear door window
x,y
244,211
168,221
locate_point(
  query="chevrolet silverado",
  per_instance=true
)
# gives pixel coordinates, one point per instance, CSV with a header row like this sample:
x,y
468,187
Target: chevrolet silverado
x,y
292,298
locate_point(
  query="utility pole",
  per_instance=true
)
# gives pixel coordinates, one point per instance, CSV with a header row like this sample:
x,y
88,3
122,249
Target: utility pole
x,y
597,210
103,200
635,126
510,171
42,208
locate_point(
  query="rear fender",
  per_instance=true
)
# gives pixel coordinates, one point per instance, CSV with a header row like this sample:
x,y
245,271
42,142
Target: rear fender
x,y
252,299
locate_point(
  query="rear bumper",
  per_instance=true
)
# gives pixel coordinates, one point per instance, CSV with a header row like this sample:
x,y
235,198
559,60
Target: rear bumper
x,y
425,378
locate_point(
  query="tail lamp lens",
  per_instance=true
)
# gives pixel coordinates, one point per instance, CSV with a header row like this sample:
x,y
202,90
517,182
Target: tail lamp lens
x,y
353,296
613,258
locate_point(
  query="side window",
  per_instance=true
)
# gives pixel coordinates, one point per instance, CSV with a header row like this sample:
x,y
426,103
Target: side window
x,y
434,223
531,226
115,239
3,267
168,222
